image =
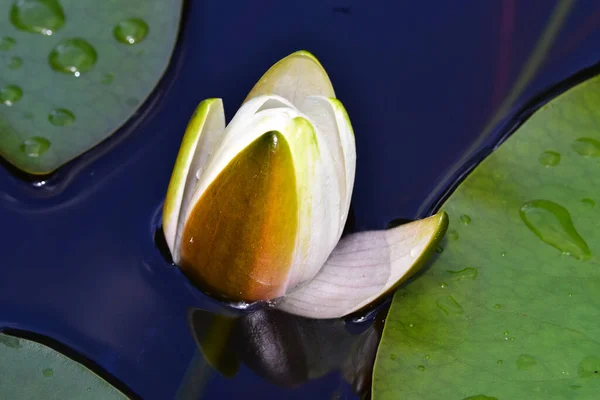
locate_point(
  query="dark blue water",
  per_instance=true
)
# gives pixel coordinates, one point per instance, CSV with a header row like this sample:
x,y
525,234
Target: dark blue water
x,y
421,82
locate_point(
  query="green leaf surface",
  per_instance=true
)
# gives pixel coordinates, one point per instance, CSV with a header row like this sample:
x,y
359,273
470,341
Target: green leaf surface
x,y
30,370
72,72
510,309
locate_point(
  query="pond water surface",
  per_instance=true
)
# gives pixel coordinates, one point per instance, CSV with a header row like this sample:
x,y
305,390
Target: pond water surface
x,y
429,87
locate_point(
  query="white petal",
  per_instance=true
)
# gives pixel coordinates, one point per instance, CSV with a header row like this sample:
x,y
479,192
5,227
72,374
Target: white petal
x,y
365,266
294,77
318,200
332,124
249,123
201,136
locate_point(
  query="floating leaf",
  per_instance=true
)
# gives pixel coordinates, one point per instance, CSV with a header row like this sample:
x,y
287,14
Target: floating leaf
x,y
510,309
72,72
30,370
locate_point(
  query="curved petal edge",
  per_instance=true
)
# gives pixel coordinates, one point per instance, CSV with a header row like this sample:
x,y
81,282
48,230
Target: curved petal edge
x,y
366,266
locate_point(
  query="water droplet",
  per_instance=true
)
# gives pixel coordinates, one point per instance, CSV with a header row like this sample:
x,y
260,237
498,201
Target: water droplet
x,y
480,397
415,251
497,306
587,147
450,306
588,202
35,146
503,254
74,56
570,295
7,43
499,362
439,249
443,285
525,361
10,94
452,234
411,325
512,339
393,356
131,31
466,273
14,63
552,224
37,16
107,79
421,368
549,158
48,372
427,357
61,117
506,333
465,219
589,367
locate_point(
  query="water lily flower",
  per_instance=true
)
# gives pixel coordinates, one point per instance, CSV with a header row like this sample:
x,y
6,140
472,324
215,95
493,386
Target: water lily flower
x,y
256,208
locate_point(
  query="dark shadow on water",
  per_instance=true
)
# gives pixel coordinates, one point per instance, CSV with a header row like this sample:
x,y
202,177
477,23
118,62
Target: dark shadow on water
x,y
286,350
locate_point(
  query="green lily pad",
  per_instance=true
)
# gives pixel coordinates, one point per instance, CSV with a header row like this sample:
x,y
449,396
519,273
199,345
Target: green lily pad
x,y
30,370
72,72
509,309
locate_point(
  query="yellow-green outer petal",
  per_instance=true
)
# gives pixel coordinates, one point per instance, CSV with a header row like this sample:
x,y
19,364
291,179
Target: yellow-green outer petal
x,y
171,208
239,239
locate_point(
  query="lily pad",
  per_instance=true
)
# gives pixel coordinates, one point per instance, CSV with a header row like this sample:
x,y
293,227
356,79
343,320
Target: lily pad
x,y
509,309
30,370
72,72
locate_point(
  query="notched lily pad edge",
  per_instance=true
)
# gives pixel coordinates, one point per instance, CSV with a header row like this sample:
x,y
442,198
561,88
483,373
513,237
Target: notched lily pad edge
x,y
120,133
74,356
504,130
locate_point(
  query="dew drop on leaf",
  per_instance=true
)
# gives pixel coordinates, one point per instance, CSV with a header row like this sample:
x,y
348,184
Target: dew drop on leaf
x,y
466,273
131,31
61,117
7,43
10,94
48,372
450,306
525,361
37,16
588,202
107,79
465,219
73,56
452,234
549,158
587,147
589,367
14,63
35,146
421,367
552,223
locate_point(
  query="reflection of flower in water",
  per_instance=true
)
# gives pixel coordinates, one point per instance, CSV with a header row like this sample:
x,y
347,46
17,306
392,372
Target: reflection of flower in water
x,y
284,349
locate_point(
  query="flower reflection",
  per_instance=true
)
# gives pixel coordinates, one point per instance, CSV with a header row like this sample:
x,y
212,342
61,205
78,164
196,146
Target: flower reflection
x,y
287,350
